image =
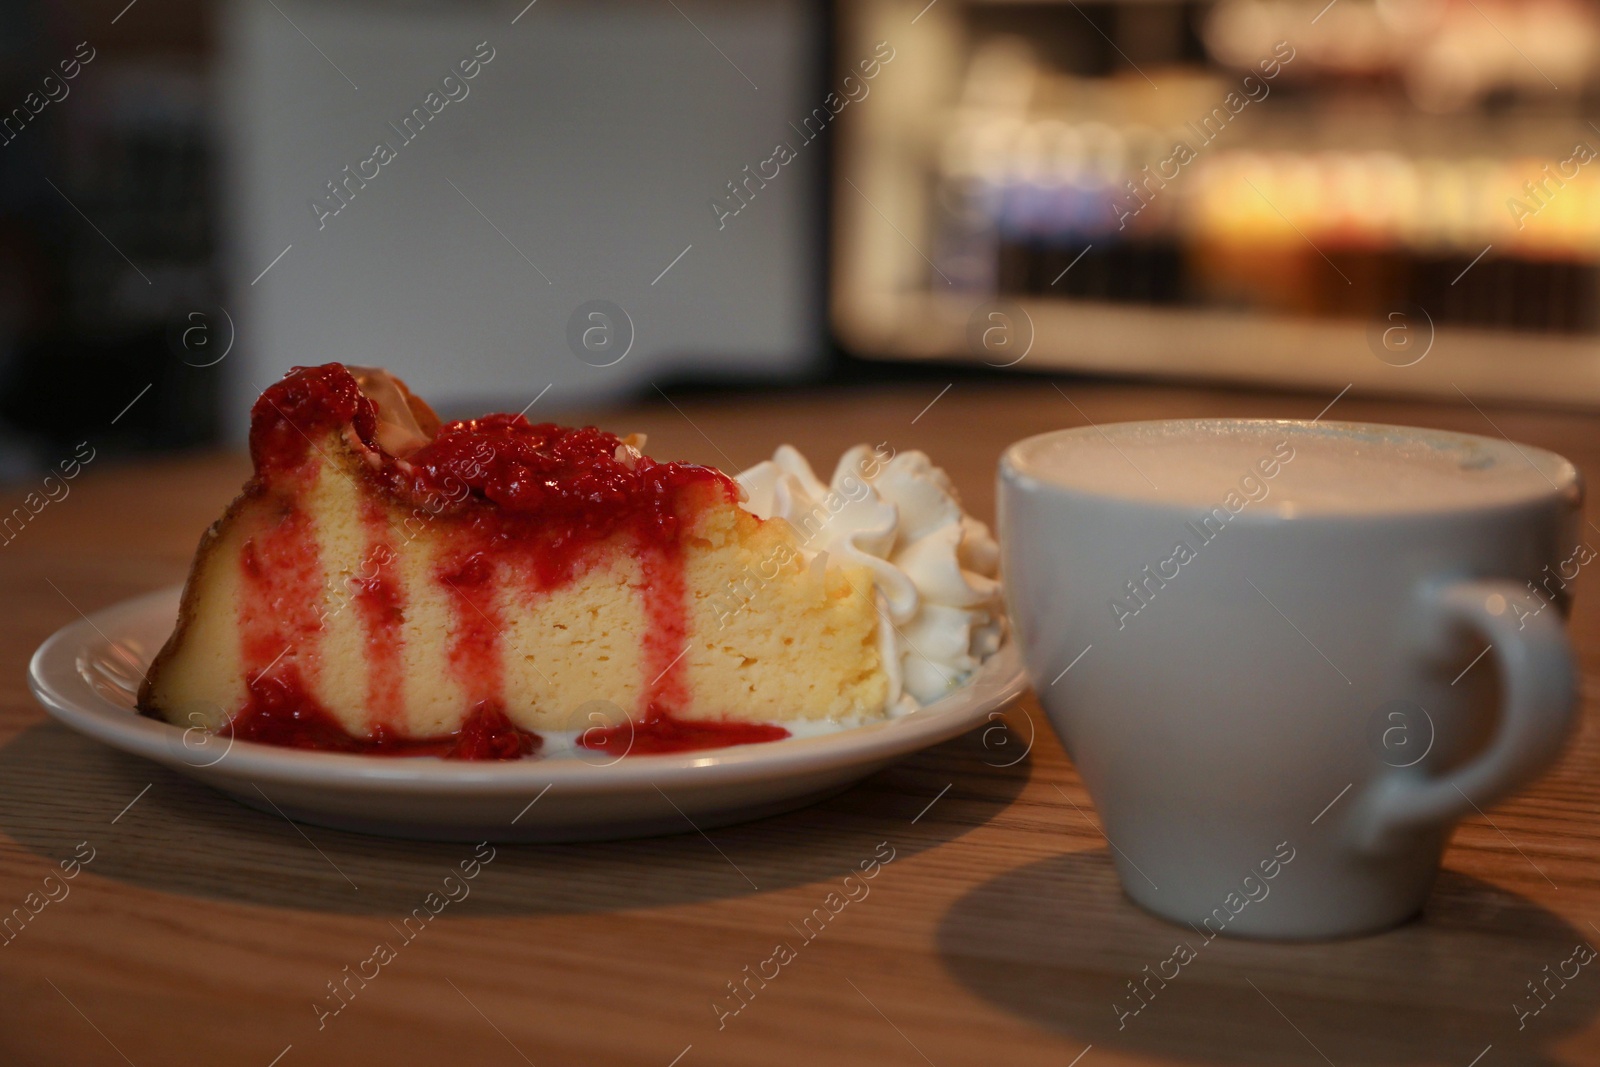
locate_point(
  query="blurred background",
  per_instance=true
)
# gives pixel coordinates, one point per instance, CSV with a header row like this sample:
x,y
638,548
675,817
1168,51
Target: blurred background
x,y
587,202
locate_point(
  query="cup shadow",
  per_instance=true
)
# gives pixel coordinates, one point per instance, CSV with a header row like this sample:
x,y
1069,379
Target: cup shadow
x,y
58,788
1056,942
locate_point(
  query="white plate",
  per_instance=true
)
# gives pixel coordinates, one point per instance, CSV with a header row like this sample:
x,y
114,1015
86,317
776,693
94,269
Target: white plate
x,y
87,673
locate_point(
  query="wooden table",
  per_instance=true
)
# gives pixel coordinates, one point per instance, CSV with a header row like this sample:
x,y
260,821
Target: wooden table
x,y
203,932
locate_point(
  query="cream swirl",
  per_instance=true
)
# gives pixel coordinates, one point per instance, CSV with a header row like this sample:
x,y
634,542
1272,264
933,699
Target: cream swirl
x,y
934,567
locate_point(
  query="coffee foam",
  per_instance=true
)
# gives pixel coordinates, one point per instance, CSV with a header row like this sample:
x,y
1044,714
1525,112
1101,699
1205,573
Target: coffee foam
x,y
1332,467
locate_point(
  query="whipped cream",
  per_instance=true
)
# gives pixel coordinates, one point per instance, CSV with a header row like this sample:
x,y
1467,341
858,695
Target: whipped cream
x,y
934,567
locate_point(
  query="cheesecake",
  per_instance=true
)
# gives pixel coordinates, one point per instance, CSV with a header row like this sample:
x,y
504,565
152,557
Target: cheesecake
x,y
389,583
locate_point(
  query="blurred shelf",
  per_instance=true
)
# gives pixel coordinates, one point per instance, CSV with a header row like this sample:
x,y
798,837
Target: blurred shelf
x,y
1255,207
1230,347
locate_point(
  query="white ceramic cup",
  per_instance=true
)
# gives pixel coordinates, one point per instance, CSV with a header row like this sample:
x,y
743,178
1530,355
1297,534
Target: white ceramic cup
x,y
1286,657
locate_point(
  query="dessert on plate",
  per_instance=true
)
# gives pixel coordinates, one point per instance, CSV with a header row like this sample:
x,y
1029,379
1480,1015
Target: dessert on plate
x,y
389,583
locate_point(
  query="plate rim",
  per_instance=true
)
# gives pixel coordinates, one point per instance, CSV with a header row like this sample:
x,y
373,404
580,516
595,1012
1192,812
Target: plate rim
x,y
1001,680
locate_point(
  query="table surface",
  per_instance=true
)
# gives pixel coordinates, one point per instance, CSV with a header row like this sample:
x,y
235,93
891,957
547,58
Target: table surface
x,y
204,932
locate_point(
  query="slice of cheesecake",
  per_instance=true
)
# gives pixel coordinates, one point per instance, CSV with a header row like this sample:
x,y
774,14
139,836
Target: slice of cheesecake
x,y
386,583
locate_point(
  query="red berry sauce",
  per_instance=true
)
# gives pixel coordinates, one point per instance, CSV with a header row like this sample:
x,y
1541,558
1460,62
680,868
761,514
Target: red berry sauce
x,y
660,732
528,507
281,712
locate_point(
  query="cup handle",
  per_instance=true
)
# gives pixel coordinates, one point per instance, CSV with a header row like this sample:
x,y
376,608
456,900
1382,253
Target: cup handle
x,y
1538,695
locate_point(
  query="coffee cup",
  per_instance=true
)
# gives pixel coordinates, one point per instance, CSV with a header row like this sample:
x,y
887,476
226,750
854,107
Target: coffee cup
x,y
1287,657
